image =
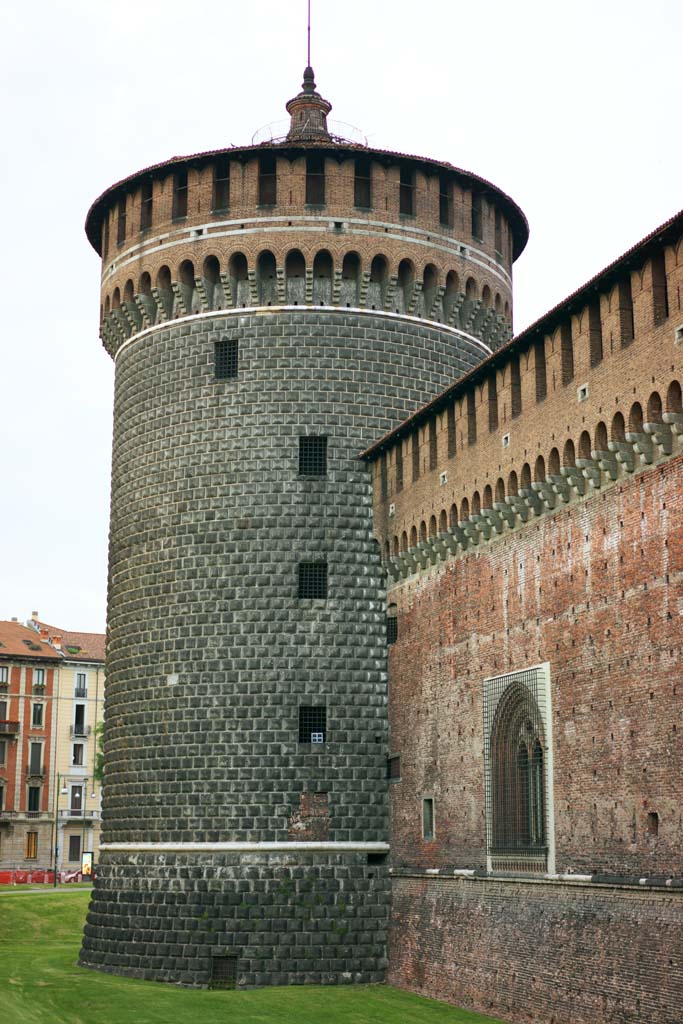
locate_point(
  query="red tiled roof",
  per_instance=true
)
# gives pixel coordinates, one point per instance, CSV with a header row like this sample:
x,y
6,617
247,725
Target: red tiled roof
x,y
90,645
669,231
19,641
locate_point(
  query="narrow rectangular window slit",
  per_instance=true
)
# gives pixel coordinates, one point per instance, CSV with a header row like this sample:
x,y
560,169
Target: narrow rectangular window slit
x,y
428,818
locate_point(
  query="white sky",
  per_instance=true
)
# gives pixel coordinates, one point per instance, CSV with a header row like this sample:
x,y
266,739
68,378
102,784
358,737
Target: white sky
x,y
573,109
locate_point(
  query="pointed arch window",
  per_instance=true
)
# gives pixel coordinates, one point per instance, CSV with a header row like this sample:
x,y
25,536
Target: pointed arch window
x,y
518,763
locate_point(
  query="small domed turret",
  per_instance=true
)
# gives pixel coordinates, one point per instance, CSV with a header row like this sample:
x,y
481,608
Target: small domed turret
x,y
308,111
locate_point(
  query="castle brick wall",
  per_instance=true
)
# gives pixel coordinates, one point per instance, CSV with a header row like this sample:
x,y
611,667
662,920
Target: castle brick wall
x,y
551,537
596,590
534,951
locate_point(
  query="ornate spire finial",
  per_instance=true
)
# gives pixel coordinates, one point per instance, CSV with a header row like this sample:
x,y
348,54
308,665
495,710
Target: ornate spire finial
x,y
308,84
308,112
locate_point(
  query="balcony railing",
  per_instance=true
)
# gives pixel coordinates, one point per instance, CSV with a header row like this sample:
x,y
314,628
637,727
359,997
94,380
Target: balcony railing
x,y
8,728
81,691
76,814
35,772
80,730
7,817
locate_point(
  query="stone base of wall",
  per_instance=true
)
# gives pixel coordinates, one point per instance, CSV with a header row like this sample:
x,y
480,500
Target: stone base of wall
x,y
540,951
286,918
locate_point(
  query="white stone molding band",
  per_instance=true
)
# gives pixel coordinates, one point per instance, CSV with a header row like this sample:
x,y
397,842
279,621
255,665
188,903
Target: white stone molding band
x,y
238,847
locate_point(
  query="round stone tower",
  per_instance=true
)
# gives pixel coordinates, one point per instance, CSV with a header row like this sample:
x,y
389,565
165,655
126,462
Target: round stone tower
x,y
270,310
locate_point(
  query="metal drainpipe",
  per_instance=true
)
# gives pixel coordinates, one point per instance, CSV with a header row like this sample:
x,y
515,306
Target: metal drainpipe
x,y
54,733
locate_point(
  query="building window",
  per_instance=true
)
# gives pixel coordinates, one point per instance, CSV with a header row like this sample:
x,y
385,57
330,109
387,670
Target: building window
x,y
35,764
399,465
477,219
517,752
450,424
445,201
74,848
383,476
225,360
595,332
493,403
394,767
267,180
179,195
515,387
471,418
315,179
433,450
81,688
37,716
77,754
416,455
39,677
313,455
105,235
653,823
76,804
146,199
2,792
407,192
541,377
33,803
626,324
3,710
392,628
498,233
121,221
4,674
567,352
428,818
31,845
362,183
79,720
660,295
312,724
3,751
221,184
313,579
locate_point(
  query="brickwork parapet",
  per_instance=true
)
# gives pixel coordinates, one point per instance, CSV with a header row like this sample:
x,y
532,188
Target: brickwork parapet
x,y
519,440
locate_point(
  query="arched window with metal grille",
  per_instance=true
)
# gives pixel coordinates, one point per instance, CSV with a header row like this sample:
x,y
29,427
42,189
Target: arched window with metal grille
x,y
518,762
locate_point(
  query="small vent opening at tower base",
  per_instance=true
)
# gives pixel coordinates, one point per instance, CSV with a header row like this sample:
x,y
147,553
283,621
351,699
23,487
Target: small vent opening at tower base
x,y
223,972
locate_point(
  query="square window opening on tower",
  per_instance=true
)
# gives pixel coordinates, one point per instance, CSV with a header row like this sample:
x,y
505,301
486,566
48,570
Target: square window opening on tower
x,y
313,580
226,358
312,723
313,456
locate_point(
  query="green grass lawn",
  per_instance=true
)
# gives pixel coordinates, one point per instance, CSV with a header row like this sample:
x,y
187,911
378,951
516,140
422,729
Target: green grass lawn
x,y
40,983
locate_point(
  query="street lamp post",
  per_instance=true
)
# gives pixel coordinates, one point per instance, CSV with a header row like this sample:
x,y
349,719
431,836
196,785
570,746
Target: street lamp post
x,y
64,791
